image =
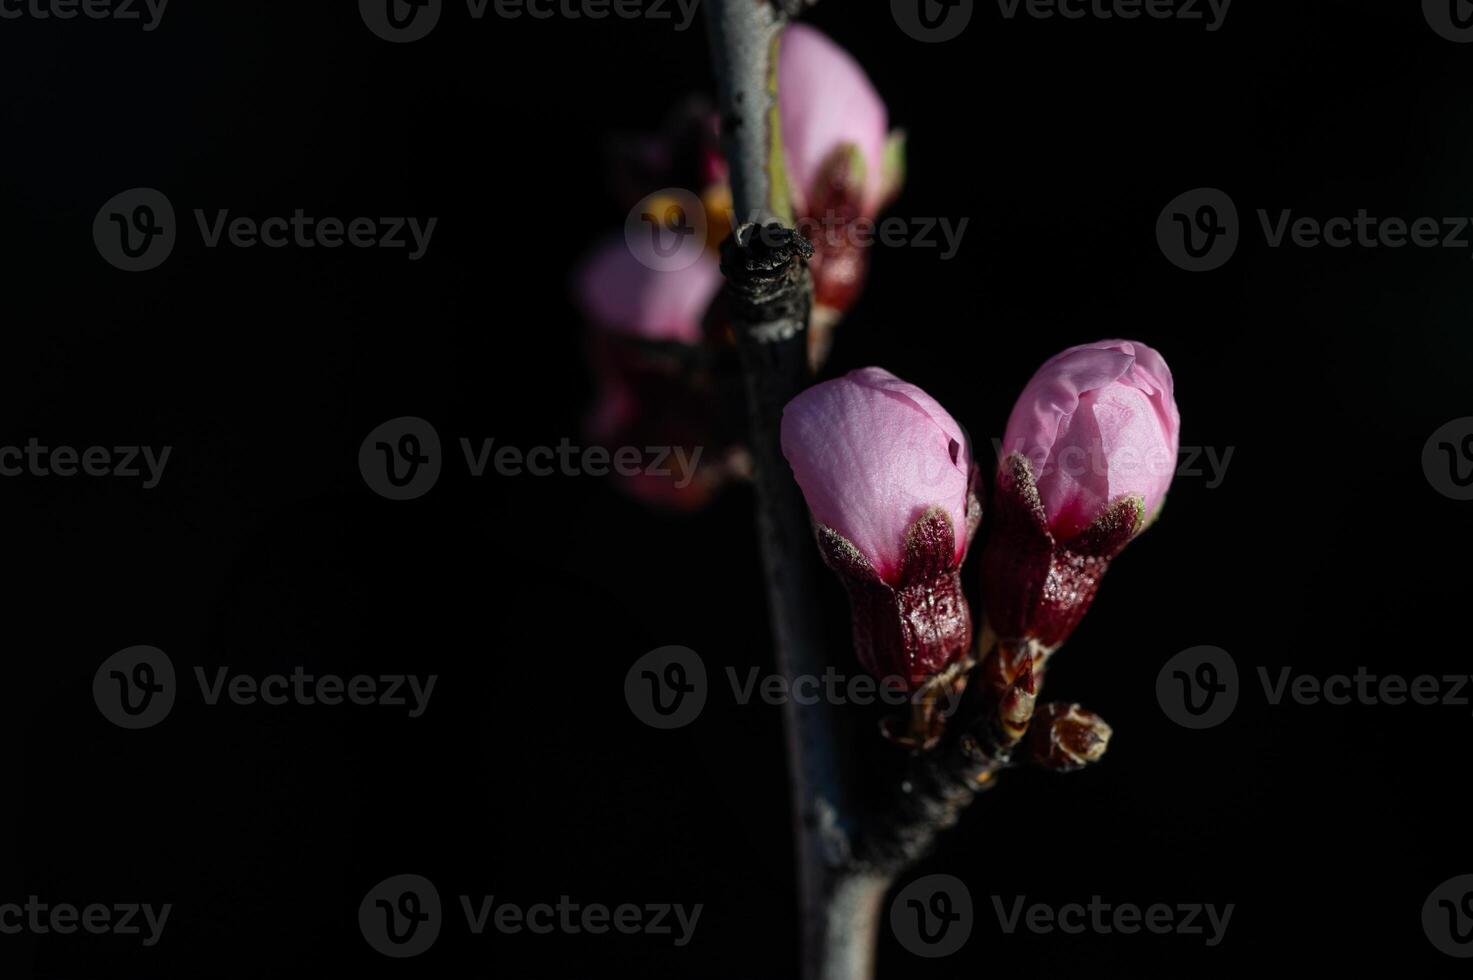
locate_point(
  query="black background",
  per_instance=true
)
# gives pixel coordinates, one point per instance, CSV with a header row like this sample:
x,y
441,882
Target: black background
x,y
1324,548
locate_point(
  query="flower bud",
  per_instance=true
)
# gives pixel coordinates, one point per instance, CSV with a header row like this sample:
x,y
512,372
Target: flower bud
x,y
1066,737
842,163
829,107
887,475
1088,456
1097,423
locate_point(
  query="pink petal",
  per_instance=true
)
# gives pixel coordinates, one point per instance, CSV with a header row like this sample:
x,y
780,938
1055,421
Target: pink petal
x,y
871,454
1097,422
826,101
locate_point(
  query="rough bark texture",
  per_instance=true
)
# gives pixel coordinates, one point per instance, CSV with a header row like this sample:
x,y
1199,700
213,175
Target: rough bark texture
x,y
767,299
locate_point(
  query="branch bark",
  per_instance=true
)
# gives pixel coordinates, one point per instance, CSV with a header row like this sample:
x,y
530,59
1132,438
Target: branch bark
x,y
744,35
768,298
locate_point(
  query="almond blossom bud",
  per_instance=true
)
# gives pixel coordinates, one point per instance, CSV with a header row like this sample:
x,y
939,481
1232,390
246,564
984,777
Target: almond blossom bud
x,y
887,475
1088,456
843,164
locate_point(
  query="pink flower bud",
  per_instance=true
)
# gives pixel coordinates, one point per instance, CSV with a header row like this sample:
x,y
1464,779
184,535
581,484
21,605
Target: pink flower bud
x,y
1097,423
1088,456
829,108
843,165
887,475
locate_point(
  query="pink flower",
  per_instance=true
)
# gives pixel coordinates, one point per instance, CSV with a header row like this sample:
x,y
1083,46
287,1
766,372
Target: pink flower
x,y
1097,423
829,107
843,165
887,476
1088,455
622,295
872,454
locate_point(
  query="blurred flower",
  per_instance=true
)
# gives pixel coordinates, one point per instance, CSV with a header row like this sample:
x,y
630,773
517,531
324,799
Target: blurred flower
x,y
1088,456
659,350
622,295
887,475
655,384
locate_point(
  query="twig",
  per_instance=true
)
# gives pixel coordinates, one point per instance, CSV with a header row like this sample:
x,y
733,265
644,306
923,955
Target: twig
x,y
744,36
768,299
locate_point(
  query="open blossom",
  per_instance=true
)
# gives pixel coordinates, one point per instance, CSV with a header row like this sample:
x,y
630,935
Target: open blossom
x,y
887,475
1088,456
843,163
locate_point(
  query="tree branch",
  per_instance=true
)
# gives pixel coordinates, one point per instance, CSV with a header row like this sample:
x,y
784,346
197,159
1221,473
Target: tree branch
x,y
768,298
744,36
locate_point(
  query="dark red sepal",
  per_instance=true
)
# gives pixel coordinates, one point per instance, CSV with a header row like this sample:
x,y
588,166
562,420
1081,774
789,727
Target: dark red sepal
x,y
918,625
835,207
1035,587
